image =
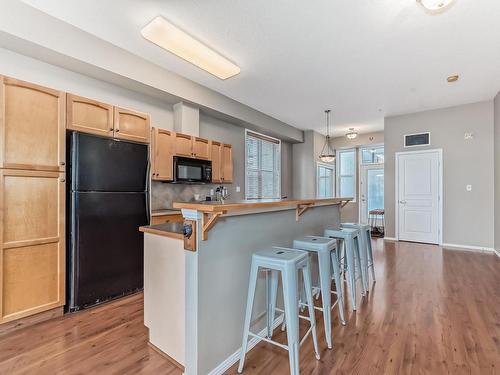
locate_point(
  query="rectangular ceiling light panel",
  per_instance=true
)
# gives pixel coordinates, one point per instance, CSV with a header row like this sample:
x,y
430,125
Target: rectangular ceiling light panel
x,y
162,33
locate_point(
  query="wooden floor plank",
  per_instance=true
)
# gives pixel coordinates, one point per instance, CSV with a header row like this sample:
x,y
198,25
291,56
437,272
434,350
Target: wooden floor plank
x,y
432,311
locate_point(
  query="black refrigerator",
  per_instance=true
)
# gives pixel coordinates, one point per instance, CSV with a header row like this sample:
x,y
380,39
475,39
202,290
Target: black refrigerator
x,y
108,200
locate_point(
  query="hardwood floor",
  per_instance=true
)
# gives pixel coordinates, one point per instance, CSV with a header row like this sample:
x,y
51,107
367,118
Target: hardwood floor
x,y
432,311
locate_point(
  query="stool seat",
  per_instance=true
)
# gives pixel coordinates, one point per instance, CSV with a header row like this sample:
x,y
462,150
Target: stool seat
x,y
356,225
280,255
315,243
343,233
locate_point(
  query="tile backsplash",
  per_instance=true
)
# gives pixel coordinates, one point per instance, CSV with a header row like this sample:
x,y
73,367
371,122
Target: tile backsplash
x,y
163,195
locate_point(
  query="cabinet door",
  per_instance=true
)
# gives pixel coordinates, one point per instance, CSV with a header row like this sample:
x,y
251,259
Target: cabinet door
x,y
32,126
183,145
89,116
163,145
132,126
227,163
216,155
201,148
32,242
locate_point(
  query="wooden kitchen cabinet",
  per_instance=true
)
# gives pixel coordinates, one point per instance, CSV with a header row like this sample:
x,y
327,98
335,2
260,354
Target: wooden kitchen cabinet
x,y
32,126
201,148
131,125
165,219
89,116
216,155
32,242
227,163
183,145
162,154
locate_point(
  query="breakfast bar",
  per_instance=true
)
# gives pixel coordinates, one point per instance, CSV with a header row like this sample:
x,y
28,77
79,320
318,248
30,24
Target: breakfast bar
x,y
195,282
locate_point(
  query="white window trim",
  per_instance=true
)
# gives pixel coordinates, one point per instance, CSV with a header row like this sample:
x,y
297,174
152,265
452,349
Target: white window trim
x,y
279,165
361,148
338,176
325,165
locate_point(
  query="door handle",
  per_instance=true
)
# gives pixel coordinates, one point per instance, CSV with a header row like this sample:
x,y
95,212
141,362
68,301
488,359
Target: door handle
x,y
402,202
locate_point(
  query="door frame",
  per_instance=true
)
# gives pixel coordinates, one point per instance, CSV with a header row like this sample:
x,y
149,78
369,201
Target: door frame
x,y
440,190
367,166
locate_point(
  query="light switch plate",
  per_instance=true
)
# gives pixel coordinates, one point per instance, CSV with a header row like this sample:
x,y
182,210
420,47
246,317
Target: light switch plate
x,y
468,187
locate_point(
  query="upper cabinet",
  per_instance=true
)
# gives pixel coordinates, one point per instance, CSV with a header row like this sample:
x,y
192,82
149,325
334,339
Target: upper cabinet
x,y
201,148
183,145
131,125
89,116
162,154
32,124
216,152
227,163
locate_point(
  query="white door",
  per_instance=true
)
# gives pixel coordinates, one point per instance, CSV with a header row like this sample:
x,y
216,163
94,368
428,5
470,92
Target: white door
x,y
418,196
371,187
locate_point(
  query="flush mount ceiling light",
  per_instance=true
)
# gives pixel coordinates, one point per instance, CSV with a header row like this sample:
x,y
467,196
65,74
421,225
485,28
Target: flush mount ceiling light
x,y
166,35
327,153
454,78
352,134
435,6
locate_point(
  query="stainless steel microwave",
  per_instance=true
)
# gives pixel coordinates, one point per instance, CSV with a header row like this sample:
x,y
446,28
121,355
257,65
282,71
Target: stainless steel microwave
x,y
192,171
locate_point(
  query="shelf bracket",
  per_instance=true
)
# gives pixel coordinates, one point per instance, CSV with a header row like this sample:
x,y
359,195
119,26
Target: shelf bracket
x,y
208,221
342,205
301,208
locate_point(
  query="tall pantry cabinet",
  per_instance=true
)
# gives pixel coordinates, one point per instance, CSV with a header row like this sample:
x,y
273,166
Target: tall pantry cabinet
x,y
32,199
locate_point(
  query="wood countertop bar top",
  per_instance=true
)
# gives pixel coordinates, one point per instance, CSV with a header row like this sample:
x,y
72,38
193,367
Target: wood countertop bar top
x,y
212,207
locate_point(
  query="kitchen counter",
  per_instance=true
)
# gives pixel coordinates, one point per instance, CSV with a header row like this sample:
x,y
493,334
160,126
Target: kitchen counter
x,y
214,206
172,230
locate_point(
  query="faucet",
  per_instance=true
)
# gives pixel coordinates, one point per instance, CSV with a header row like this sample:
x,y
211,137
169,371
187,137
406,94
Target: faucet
x,y
221,193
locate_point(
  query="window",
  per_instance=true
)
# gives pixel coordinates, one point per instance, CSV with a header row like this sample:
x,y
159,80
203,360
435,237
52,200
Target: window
x,y
324,180
262,166
346,173
372,155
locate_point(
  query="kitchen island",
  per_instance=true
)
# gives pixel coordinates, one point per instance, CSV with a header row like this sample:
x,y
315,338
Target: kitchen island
x,y
195,299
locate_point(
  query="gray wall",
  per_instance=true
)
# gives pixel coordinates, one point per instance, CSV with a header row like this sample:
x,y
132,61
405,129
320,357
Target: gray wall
x,y
164,194
467,216
350,212
496,139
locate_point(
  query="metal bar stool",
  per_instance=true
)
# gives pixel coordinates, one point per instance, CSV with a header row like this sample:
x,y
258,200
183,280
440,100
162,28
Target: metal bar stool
x,y
289,262
366,243
326,249
349,242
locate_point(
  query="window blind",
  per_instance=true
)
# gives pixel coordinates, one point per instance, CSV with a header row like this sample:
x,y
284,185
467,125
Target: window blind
x,y
263,159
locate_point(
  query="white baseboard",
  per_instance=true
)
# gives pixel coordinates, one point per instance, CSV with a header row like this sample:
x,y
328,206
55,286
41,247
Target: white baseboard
x,y
233,358
390,239
469,248
497,252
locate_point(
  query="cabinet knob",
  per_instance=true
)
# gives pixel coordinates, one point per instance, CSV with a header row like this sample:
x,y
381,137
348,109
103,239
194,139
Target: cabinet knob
x,y
110,129
62,163
117,130
63,179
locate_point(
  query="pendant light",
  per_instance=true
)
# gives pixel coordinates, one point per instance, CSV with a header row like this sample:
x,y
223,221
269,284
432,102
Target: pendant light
x,y
352,134
327,153
435,6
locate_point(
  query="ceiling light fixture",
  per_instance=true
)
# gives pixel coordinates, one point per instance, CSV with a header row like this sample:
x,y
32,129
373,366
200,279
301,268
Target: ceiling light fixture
x,y
454,78
435,6
352,134
166,35
327,152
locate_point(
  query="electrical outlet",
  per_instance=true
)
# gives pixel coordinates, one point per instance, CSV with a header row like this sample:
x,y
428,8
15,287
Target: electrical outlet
x,y
468,187
211,191
468,136
238,189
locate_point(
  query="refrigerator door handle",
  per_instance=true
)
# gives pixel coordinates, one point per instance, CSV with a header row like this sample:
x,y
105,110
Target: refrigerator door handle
x,y
148,192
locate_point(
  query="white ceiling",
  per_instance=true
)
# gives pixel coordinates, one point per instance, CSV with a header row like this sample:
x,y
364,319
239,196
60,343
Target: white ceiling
x,y
364,59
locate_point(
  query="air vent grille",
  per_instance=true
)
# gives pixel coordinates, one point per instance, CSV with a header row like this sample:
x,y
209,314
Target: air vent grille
x,y
421,139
